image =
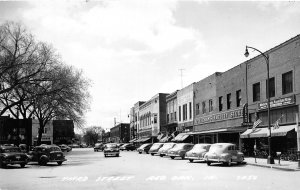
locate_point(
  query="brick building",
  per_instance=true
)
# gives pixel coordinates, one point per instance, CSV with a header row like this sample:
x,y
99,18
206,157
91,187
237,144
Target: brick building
x,y
120,133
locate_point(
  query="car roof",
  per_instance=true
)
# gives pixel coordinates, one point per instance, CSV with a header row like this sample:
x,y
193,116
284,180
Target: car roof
x,y
7,147
224,144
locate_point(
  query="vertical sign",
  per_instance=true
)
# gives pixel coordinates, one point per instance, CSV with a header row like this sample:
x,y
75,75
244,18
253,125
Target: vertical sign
x,y
298,132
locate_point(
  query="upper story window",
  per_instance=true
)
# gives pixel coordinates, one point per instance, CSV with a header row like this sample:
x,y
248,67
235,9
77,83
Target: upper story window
x,y
190,109
287,82
179,113
220,103
256,92
184,111
210,105
238,98
197,109
229,101
203,108
272,87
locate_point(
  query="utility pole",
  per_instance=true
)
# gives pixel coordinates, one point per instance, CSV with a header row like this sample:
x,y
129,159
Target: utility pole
x,y
181,76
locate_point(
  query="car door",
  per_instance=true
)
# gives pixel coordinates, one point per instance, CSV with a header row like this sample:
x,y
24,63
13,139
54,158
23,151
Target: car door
x,y
233,152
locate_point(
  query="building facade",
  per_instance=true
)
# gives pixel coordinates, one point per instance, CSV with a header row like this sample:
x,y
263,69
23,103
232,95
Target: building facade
x,y
120,133
152,116
135,120
63,132
47,135
185,103
172,110
284,91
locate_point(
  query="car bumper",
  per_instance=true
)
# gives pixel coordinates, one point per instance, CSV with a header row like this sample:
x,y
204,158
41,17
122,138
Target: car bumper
x,y
173,154
195,157
14,162
60,160
216,160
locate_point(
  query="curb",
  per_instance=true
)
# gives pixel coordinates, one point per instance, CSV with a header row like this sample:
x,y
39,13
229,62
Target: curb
x,y
274,167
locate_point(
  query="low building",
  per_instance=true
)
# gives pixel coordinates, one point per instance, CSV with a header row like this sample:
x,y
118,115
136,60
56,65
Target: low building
x,y
63,132
120,133
47,135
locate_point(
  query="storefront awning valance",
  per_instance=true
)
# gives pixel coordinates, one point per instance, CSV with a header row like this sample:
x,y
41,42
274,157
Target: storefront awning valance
x,y
181,137
133,140
264,132
143,140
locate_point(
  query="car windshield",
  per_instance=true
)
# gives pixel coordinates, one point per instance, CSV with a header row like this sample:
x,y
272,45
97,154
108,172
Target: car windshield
x,y
111,145
156,145
200,146
98,144
216,147
178,146
144,145
168,145
14,149
55,149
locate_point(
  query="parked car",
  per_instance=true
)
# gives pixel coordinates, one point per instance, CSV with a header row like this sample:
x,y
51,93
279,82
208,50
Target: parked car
x,y
23,147
179,150
144,148
47,153
120,144
65,147
225,153
197,152
128,146
98,147
83,145
12,155
164,149
155,147
111,149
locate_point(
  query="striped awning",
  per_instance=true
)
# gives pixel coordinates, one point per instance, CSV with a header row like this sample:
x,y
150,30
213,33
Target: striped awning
x,y
264,132
181,137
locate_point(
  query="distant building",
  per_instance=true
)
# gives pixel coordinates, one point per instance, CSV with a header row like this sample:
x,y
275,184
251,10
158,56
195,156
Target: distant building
x,y
63,132
120,133
47,135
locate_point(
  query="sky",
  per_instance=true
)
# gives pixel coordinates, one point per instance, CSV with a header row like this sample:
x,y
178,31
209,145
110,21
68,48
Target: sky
x,y
134,49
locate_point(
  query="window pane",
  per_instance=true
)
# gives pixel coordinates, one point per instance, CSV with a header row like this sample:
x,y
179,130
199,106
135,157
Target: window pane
x,y
220,103
228,101
256,92
287,82
272,87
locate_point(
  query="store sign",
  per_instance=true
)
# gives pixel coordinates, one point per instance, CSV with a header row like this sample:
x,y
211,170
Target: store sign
x,y
234,114
277,103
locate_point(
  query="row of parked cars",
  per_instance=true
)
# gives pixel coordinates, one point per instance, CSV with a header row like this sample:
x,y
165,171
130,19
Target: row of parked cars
x,y
11,155
225,153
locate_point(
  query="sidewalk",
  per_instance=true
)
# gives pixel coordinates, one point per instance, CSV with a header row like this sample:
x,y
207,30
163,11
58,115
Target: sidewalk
x,y
284,165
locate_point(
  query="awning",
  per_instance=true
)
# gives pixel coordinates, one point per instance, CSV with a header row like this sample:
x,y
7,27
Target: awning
x,y
165,139
143,139
181,137
133,140
160,136
229,130
264,132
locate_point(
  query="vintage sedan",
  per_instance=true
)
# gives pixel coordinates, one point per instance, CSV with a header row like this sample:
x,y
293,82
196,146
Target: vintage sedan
x,y
128,146
197,152
164,150
144,148
225,153
98,147
65,148
45,154
111,149
155,147
12,155
179,150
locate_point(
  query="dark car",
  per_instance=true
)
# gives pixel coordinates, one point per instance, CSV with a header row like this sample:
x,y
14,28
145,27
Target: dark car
x,y
111,149
65,148
12,155
144,148
47,153
127,147
98,147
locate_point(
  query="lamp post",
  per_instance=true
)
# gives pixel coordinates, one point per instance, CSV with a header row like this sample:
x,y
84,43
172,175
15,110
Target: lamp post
x,y
270,157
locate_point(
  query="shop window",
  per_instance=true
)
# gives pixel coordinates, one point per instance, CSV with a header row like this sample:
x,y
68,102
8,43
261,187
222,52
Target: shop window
x,y
238,98
256,92
229,101
272,87
210,105
287,82
220,103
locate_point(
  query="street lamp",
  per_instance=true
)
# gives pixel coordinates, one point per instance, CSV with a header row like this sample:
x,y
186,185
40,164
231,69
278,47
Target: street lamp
x,y
270,157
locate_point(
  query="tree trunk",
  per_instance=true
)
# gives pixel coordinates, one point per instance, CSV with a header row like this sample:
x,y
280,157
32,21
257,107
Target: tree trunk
x,y
40,132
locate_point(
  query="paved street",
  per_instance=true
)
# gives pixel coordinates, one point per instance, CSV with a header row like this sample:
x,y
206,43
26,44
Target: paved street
x,y
86,169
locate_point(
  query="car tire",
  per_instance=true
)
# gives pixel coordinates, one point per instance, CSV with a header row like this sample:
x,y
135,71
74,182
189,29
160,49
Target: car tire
x,y
2,165
105,155
43,162
172,157
117,155
208,163
182,157
161,155
59,163
140,152
229,163
152,154
147,152
191,160
22,165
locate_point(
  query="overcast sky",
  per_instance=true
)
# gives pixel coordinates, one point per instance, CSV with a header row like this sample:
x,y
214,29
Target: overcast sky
x,y
134,49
